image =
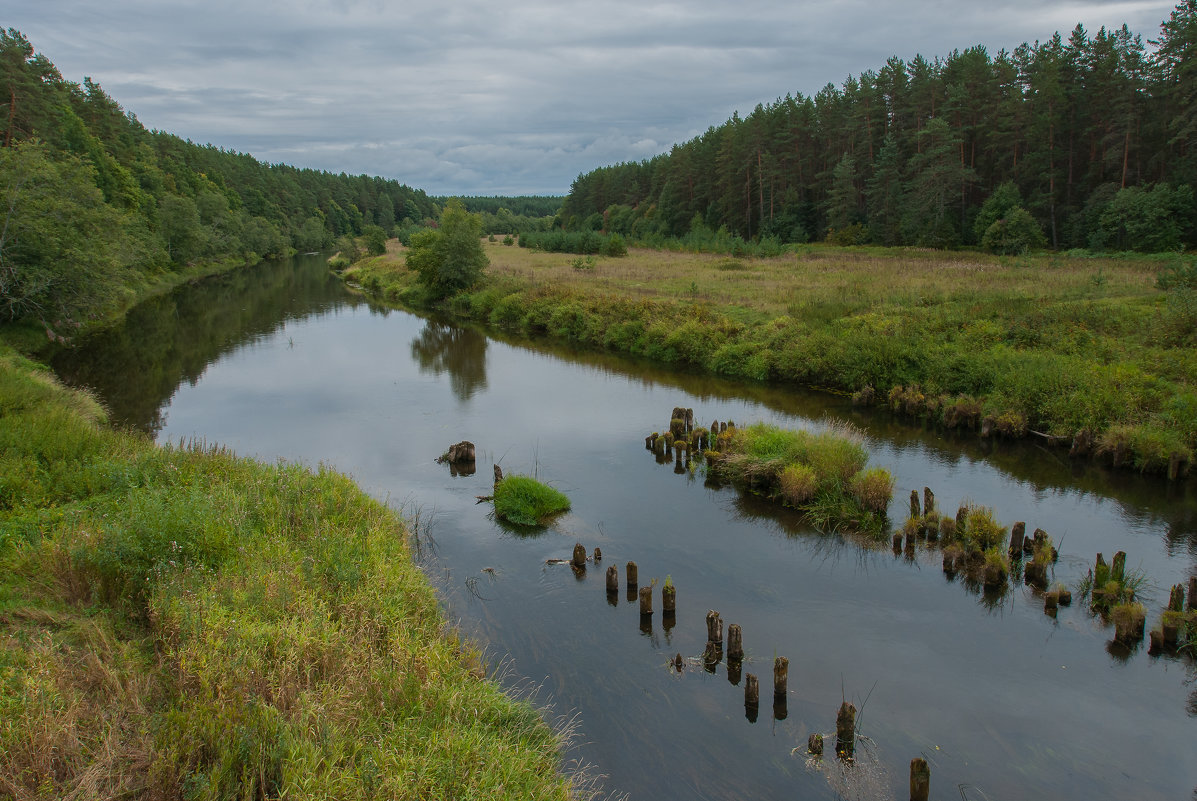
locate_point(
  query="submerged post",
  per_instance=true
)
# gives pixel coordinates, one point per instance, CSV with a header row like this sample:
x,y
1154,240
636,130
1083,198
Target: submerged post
x,y
915,509
646,601
781,674
1017,532
714,627
920,779
612,579
735,642
633,579
668,598
845,731
928,501
579,559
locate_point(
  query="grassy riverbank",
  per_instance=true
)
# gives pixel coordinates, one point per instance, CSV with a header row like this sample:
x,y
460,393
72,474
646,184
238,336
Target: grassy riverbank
x,y
1050,343
180,622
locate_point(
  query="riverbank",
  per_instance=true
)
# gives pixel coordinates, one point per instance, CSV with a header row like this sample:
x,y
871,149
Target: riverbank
x,y
180,621
1087,352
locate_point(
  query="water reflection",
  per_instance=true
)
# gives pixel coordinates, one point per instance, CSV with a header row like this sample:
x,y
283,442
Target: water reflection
x,y
460,352
136,365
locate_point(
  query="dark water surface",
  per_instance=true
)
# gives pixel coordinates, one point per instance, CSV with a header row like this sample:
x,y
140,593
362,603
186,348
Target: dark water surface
x,y
281,361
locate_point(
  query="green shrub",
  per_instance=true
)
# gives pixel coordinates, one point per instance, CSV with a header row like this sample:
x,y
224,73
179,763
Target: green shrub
x,y
527,502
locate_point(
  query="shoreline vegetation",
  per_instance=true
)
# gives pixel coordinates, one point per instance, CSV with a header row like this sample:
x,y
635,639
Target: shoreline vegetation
x,y
179,621
1093,354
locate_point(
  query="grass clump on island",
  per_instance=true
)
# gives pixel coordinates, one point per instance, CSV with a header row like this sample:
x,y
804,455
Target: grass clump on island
x,y
527,502
1097,349
823,474
181,622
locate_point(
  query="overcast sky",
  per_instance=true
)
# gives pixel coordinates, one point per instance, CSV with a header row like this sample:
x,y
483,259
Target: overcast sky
x,y
486,98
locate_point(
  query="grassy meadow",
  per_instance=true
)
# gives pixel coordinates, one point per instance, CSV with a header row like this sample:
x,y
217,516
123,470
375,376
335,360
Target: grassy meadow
x,y
1078,348
178,622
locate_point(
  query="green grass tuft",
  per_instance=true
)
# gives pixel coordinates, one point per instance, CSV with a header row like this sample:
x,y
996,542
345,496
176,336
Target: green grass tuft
x,y
527,502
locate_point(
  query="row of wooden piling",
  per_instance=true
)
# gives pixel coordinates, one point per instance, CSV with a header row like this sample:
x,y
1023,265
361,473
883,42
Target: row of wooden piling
x,y
713,654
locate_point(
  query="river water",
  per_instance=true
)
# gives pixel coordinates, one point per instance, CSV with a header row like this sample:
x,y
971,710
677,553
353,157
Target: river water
x,y
1004,701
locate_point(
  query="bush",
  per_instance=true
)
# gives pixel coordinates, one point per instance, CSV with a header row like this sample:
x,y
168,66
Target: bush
x,y
1013,234
527,502
450,258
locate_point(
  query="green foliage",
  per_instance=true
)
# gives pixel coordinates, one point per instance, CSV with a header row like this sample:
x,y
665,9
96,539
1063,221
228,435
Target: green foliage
x,y
1004,199
527,502
64,253
449,259
374,239
1151,220
1014,233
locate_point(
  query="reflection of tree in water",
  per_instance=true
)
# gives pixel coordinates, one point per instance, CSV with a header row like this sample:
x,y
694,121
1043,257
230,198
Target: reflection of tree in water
x,y
461,352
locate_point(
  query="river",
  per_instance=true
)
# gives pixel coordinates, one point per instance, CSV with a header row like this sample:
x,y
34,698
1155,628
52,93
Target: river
x,y
281,361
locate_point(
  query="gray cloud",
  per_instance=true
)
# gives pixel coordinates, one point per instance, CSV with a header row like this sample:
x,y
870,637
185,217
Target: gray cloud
x,y
474,98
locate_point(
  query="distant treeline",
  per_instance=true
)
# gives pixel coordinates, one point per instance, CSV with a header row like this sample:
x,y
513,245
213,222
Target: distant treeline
x,y
95,202
1094,136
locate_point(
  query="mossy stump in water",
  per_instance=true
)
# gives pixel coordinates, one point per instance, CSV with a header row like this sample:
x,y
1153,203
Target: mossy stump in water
x,y
920,779
1129,619
814,745
845,731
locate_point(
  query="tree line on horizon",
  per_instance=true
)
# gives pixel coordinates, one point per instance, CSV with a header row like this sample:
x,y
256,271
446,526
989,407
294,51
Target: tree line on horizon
x,y
1085,142
93,201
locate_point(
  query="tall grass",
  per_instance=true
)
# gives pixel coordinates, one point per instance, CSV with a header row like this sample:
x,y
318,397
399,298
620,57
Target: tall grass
x,y
180,622
820,473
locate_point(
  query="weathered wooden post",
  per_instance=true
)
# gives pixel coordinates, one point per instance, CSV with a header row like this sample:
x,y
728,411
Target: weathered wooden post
x,y
735,642
668,598
598,554
632,581
1176,598
498,474
897,543
1118,567
920,779
814,745
1050,603
1192,594
1017,532
752,690
928,501
714,627
579,559
678,662
646,601
845,731
781,673
612,579
915,509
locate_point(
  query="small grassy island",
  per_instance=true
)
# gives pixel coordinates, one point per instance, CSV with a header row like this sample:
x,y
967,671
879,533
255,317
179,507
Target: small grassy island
x,y
527,502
